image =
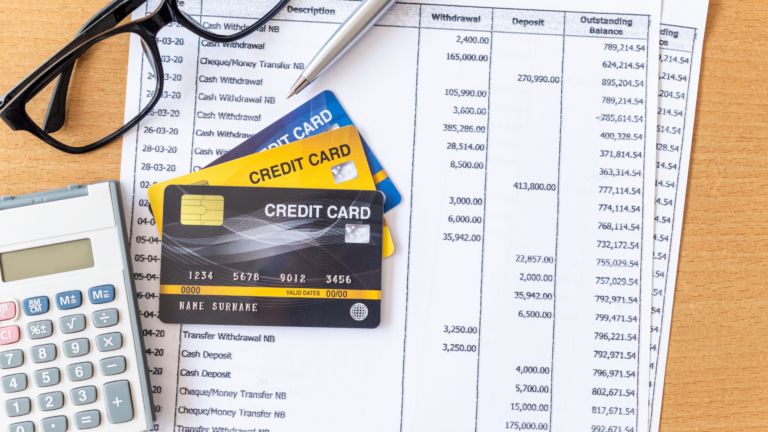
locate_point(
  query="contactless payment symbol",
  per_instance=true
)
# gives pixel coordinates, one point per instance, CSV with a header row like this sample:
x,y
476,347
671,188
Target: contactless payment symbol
x,y
202,210
358,311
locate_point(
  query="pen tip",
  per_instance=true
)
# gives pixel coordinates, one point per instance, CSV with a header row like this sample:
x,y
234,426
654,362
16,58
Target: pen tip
x,y
299,86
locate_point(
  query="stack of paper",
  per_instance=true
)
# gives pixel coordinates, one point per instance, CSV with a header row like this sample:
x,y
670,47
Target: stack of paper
x,y
541,149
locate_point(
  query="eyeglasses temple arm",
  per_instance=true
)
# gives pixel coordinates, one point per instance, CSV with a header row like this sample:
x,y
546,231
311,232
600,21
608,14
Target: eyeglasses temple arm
x,y
105,19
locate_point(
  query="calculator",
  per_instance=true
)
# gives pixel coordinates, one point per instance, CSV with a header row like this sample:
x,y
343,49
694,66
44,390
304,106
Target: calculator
x,y
71,349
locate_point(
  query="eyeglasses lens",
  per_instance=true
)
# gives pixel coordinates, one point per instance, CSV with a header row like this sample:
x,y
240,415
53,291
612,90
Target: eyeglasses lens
x,y
95,99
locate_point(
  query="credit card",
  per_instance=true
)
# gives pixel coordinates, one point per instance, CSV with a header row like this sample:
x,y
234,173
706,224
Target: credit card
x,y
320,114
271,256
333,160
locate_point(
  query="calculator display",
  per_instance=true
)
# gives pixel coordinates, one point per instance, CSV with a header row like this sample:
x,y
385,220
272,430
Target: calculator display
x,y
46,260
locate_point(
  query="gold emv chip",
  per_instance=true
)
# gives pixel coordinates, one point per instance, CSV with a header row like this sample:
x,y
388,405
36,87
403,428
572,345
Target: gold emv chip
x,y
202,210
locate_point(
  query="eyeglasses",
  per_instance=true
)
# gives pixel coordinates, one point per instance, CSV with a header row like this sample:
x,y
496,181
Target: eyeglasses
x,y
68,114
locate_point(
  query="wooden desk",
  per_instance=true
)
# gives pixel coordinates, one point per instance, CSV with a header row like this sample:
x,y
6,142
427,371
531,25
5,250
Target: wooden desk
x,y
718,359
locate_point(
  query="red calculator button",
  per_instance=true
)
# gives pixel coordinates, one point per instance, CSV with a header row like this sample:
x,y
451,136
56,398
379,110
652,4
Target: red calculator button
x,y
7,311
9,335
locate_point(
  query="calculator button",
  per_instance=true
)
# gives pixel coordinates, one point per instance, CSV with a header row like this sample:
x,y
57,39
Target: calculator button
x,y
105,318
69,300
18,407
72,324
117,397
43,353
9,335
50,401
112,366
7,311
39,329
47,377
83,395
14,383
109,341
35,306
22,427
87,419
101,294
54,424
80,371
11,359
76,348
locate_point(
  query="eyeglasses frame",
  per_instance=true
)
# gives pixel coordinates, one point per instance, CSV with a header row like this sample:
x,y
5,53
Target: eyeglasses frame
x,y
98,28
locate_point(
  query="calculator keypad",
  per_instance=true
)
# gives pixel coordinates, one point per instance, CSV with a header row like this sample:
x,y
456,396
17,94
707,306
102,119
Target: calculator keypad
x,y
11,359
110,402
47,377
50,401
7,311
36,306
72,324
13,383
105,318
80,371
9,335
117,396
77,348
18,407
22,427
83,395
101,294
109,342
55,424
40,329
69,300
112,366
43,353
87,419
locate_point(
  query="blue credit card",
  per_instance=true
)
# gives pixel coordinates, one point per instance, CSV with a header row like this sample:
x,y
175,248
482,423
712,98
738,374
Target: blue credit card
x,y
318,115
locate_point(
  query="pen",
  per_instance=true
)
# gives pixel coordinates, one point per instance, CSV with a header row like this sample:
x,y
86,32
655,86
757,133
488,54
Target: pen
x,y
345,36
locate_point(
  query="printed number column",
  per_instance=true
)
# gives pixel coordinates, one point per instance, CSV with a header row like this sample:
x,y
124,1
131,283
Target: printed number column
x,y
444,284
597,306
675,56
521,228
157,154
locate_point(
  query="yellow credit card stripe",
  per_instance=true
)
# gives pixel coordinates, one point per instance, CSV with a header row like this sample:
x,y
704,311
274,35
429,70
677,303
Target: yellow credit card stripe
x,y
379,176
388,247
293,292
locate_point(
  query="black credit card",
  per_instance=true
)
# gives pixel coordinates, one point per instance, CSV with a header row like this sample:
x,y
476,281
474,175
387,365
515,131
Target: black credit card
x,y
271,256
